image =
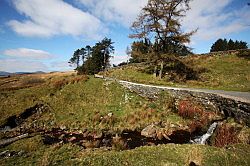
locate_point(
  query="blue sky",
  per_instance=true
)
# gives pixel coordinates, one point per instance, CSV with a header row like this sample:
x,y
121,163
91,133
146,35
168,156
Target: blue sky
x,y
42,34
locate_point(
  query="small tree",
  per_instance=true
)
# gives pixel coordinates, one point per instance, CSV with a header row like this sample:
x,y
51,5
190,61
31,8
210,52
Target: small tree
x,y
160,20
242,45
231,45
223,45
95,58
140,50
88,50
75,58
98,57
219,45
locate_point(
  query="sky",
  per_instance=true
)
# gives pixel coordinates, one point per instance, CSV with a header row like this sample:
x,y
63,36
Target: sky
x,y
41,35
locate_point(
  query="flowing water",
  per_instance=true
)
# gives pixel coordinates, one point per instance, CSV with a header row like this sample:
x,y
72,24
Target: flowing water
x,y
203,139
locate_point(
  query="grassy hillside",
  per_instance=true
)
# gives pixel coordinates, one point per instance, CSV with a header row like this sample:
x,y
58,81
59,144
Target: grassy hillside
x,y
226,72
69,118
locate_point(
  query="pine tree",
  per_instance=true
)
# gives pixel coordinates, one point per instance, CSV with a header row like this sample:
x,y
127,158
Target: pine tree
x,y
231,45
219,45
75,58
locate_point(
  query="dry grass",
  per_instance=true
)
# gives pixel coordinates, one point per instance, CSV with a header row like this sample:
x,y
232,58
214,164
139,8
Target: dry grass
x,y
23,81
189,109
226,135
59,84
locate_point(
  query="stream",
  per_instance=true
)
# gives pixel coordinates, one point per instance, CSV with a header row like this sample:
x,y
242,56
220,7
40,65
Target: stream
x,y
203,139
126,139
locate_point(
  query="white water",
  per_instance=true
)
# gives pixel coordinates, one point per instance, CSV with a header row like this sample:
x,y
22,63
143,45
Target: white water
x,y
203,139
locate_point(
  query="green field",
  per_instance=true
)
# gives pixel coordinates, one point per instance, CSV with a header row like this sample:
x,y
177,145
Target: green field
x,y
73,106
225,72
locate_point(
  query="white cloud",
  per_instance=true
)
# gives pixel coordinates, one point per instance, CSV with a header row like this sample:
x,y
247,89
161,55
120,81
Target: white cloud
x,y
120,11
119,59
14,65
213,20
27,53
54,17
209,16
61,66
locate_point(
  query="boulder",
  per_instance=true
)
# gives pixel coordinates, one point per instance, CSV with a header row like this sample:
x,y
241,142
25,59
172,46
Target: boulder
x,y
150,131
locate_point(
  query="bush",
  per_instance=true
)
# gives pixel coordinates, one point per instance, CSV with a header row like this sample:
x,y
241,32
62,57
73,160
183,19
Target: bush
x,y
244,54
188,109
225,135
191,110
59,84
31,81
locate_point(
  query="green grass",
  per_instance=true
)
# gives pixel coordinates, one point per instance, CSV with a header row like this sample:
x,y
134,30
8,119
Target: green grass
x,y
227,72
37,154
80,105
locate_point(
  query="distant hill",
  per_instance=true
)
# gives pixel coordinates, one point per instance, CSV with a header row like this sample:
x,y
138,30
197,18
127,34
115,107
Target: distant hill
x,y
4,73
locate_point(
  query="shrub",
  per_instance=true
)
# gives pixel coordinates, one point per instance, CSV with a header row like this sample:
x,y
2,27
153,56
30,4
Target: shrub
x,y
72,80
225,135
78,79
189,110
60,83
31,81
244,54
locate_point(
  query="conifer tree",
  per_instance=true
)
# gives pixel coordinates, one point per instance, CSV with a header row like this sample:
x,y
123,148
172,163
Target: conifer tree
x,y
160,21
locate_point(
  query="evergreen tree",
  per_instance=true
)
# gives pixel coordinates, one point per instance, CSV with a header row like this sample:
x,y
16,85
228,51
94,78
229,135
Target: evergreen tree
x,y
94,58
242,45
219,45
83,54
75,58
231,45
223,45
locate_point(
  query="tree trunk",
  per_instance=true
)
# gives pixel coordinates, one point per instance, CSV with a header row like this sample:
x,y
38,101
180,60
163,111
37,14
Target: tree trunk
x,y
161,70
155,72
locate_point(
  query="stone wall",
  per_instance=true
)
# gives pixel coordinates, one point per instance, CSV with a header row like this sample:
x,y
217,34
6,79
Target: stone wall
x,y
240,111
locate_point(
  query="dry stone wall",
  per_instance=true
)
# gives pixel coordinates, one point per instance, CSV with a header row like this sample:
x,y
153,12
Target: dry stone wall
x,y
238,110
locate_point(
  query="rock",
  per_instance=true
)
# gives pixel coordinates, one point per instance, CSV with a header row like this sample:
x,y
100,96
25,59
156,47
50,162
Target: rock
x,y
225,107
62,127
62,136
85,134
159,135
72,139
106,142
97,135
110,114
150,131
